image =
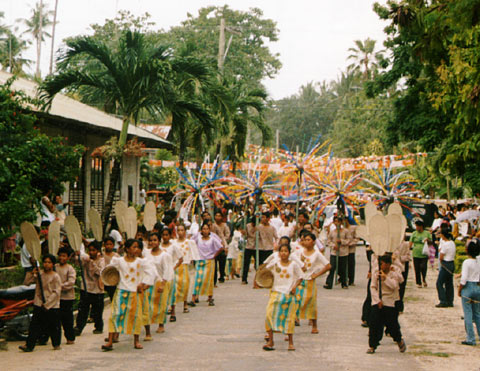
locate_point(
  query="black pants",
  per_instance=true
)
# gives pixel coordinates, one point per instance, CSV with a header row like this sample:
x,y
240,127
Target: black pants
x,y
220,262
110,290
399,304
248,254
379,319
44,322
342,270
420,265
95,302
351,268
367,304
445,282
66,318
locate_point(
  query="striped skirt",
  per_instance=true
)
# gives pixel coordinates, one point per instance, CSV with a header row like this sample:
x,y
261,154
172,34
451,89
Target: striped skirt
x,y
126,317
172,296
160,303
147,305
183,283
204,272
229,267
306,299
280,313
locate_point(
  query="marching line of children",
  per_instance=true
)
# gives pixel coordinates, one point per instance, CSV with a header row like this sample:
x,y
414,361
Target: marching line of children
x,y
151,280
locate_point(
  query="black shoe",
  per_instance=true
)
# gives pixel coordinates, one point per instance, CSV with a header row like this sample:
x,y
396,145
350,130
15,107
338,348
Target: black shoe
x,y
221,280
25,348
450,305
441,305
365,324
197,301
244,282
77,331
327,287
192,304
468,343
97,331
237,275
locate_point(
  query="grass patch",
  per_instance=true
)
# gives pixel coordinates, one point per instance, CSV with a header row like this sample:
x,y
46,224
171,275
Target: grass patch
x,y
11,277
428,353
412,298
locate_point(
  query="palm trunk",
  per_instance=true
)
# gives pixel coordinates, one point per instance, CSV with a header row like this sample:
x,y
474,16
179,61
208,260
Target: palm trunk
x,y
115,175
39,40
112,188
53,36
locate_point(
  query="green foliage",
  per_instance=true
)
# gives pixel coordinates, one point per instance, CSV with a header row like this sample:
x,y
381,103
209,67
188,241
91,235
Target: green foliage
x,y
31,163
435,48
460,256
249,56
164,154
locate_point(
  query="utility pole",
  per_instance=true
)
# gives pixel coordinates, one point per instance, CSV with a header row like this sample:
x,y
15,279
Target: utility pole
x,y
221,45
53,36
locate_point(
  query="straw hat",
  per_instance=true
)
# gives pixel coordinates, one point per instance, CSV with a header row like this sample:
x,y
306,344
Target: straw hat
x,y
264,277
110,276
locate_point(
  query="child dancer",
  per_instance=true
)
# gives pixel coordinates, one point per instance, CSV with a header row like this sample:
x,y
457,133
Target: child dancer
x,y
67,297
209,247
93,265
383,312
232,256
109,245
177,259
146,295
162,263
315,265
135,275
46,306
182,277
281,307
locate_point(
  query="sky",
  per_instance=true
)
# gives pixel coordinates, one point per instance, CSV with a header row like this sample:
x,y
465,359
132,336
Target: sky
x,y
313,41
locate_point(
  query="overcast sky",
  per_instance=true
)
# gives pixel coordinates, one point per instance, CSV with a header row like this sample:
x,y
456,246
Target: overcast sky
x,y
314,34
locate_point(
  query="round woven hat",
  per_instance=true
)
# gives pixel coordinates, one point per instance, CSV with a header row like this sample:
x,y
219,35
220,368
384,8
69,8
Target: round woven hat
x,y
110,276
264,277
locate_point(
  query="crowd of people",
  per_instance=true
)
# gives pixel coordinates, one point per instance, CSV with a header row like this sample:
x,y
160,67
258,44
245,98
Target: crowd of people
x,y
155,270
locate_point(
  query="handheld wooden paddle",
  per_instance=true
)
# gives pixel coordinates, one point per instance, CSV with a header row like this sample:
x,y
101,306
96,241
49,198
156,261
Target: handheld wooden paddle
x,y
32,242
74,235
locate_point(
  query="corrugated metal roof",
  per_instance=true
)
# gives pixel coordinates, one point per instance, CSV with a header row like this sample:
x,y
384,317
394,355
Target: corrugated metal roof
x,y
160,130
69,108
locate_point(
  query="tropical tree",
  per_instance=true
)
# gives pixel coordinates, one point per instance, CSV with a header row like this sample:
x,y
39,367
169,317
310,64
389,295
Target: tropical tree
x,y
36,26
365,59
11,49
247,107
136,75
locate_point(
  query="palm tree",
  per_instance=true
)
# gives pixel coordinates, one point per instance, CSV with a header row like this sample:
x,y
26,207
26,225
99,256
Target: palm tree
x,y
54,23
135,74
36,25
247,108
365,58
11,49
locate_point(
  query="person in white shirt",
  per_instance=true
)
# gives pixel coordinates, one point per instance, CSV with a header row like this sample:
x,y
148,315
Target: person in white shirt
x,y
276,221
286,229
446,254
315,264
281,307
469,291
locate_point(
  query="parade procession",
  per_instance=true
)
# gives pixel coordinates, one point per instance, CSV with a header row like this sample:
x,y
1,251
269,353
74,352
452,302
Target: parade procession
x,y
164,204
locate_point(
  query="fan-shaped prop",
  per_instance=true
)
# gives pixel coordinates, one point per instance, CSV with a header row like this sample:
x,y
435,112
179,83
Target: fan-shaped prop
x,y
362,232
95,224
131,222
74,233
370,210
149,215
32,242
120,213
396,230
54,237
395,208
378,232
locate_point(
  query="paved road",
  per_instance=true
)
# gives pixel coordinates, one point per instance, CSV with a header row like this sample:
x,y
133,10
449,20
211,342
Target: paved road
x,y
229,336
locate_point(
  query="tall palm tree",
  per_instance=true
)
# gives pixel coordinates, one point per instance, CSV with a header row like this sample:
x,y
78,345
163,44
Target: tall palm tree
x,y
36,25
54,24
247,108
365,59
136,75
11,49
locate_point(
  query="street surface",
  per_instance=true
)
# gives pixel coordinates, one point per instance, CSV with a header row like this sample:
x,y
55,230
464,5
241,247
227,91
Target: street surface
x,y
230,335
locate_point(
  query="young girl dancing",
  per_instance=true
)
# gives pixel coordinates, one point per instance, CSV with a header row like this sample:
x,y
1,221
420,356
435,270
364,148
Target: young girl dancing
x,y
209,247
189,250
135,275
281,307
315,264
